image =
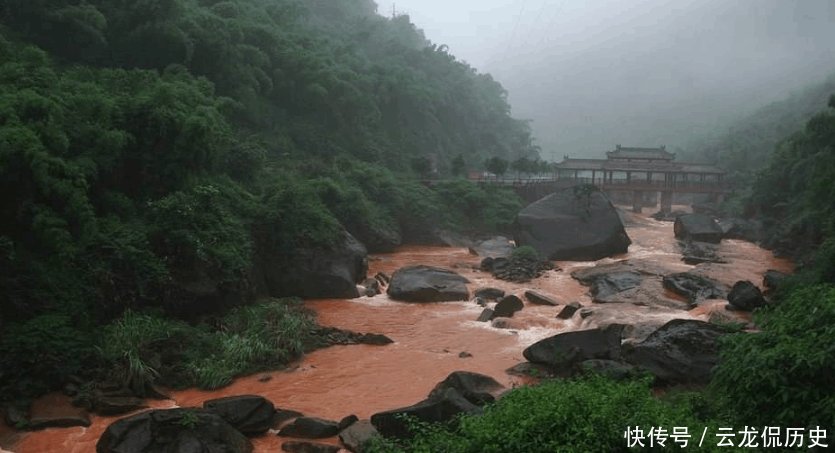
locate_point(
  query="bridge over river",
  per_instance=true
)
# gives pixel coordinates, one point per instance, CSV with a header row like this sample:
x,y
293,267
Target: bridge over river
x,y
642,172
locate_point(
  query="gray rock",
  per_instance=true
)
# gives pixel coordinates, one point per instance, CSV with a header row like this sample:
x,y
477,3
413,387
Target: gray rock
x,y
745,296
173,430
432,410
310,428
427,284
486,315
356,437
568,311
697,227
693,286
562,351
117,405
476,388
314,273
347,421
489,293
538,298
680,351
249,414
496,247
507,307
573,224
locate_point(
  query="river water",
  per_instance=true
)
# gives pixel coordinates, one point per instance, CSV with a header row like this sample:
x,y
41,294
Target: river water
x,y
362,379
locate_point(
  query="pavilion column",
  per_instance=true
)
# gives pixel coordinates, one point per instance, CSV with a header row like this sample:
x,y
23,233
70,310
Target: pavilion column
x,y
637,201
666,201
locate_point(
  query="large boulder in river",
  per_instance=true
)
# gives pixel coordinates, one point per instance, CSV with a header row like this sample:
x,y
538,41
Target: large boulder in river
x,y
440,408
476,388
680,351
495,247
693,286
745,296
427,284
572,224
173,430
249,414
564,350
314,272
697,227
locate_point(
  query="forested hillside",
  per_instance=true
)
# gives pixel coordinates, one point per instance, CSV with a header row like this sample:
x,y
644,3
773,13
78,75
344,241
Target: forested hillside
x,y
749,142
156,153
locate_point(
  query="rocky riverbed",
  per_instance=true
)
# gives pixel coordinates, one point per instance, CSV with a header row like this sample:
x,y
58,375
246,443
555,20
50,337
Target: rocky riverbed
x,y
434,339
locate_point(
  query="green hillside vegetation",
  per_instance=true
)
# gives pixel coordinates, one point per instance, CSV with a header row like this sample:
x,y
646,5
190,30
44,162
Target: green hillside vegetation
x,y
149,150
748,143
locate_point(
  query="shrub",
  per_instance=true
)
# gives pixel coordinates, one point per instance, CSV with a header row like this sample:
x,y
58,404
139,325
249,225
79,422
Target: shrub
x,y
589,414
525,253
785,374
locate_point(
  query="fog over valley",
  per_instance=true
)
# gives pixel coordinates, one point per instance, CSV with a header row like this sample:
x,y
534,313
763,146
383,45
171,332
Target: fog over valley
x,y
644,73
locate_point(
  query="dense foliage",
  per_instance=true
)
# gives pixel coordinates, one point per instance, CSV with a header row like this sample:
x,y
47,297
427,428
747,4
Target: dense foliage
x,y
785,374
150,150
590,414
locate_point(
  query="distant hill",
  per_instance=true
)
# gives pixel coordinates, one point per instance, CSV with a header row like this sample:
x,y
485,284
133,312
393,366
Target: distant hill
x,y
749,142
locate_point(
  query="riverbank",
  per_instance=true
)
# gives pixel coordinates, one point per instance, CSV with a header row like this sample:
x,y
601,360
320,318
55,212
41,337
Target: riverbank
x,y
430,339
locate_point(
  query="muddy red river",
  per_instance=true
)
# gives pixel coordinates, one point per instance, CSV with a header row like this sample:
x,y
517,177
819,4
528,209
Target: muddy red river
x,y
361,379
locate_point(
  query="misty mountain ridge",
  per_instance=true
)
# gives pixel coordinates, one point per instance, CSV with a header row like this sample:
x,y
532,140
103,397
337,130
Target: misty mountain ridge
x,y
746,144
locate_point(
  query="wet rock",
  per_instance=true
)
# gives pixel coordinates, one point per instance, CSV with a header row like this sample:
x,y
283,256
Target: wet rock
x,y
427,284
442,408
265,378
528,369
489,293
699,252
480,302
736,228
315,273
300,446
722,318
605,286
464,355
486,315
612,369
172,430
310,428
487,264
563,350
347,421
496,247
501,323
586,312
382,278
680,351
667,216
375,339
356,437
540,299
697,227
773,279
283,415
371,287
476,388
519,269
745,296
250,414
507,307
573,224
117,405
695,287
50,413
568,311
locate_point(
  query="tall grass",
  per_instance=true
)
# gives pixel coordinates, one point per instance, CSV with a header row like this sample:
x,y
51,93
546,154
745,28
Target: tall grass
x,y
144,349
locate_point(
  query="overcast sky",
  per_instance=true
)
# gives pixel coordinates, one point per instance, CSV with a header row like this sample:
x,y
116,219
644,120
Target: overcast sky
x,y
594,73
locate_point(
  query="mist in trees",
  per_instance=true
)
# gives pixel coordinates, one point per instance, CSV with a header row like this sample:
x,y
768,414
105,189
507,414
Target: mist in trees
x,y
650,72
